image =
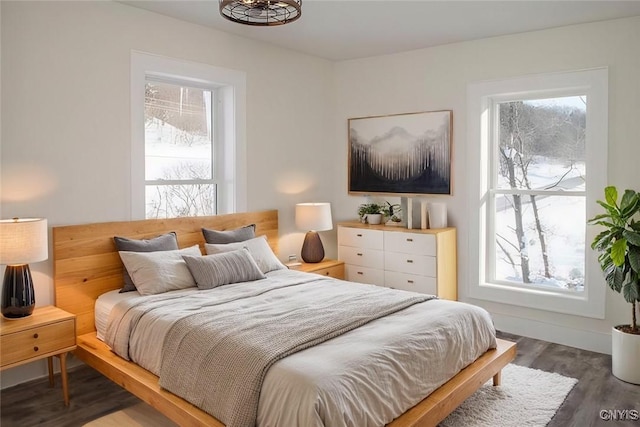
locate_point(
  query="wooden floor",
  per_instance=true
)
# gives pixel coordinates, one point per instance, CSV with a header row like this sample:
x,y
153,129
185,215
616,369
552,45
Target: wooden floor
x,y
92,395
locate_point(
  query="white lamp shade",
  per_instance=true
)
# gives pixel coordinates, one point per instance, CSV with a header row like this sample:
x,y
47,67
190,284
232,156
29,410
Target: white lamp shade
x,y
23,240
314,216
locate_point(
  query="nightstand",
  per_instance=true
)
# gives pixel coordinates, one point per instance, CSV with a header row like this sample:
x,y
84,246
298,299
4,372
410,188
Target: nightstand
x,y
48,332
327,267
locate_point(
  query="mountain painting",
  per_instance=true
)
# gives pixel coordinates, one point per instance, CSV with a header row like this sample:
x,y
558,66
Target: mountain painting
x,y
404,154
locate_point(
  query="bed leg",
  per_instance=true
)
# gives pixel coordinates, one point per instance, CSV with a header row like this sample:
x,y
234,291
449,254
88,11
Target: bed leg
x,y
497,378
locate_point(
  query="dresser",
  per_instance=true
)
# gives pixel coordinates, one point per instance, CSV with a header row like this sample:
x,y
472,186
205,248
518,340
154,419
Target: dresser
x,y
422,261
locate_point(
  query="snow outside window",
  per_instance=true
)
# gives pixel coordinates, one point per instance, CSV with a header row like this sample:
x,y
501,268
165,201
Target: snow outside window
x,y
179,146
537,193
540,145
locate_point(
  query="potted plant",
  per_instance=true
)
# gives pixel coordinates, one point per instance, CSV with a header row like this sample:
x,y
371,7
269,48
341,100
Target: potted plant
x,y
391,212
370,212
619,247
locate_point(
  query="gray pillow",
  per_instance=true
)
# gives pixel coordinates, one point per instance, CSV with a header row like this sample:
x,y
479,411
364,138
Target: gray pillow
x,y
230,236
164,242
211,271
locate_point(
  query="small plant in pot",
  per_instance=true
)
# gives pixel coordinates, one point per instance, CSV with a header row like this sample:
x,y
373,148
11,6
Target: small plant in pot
x,y
619,247
370,212
392,212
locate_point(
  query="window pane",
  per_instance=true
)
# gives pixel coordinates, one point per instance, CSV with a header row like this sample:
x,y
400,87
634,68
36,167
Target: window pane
x,y
170,201
178,142
552,232
542,144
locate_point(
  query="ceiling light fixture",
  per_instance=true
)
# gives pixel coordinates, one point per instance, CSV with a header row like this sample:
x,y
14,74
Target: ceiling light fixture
x,y
263,13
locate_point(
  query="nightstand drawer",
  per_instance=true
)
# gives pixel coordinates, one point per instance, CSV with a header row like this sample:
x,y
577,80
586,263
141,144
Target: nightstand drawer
x,y
337,271
37,342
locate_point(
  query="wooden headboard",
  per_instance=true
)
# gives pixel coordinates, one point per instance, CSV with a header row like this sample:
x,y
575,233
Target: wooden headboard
x,y
86,263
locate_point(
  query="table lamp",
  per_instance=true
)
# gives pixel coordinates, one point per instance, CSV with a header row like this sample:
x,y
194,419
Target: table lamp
x,y
313,217
22,240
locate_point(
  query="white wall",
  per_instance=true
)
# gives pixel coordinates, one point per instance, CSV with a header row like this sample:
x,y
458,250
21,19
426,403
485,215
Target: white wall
x,y
66,134
437,78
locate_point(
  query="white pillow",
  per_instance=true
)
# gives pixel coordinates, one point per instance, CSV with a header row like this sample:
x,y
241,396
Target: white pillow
x,y
158,272
258,248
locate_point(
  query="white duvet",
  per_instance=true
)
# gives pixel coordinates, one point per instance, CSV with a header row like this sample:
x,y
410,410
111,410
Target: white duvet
x,y
365,377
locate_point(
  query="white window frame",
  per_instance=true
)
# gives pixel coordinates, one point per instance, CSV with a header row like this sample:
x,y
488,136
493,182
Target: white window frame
x,y
482,98
230,125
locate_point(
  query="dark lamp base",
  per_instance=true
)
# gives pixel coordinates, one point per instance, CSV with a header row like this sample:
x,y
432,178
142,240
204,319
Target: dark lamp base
x,y
312,249
18,297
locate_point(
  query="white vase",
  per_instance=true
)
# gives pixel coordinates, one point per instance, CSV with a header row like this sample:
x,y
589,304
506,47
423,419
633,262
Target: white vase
x,y
437,215
625,356
374,219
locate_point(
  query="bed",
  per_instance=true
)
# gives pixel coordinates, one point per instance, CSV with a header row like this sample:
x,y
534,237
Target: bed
x,y
87,265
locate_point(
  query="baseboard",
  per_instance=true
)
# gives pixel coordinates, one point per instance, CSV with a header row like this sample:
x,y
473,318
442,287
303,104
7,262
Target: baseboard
x,y
586,340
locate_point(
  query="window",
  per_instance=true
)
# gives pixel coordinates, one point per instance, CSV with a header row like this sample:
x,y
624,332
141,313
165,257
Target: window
x,y
188,150
537,193
540,153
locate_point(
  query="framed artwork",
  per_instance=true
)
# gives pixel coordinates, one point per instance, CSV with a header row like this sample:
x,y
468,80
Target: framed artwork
x,y
401,154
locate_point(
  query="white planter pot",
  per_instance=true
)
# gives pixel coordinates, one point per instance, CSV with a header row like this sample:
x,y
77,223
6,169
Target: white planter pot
x,y
374,219
625,356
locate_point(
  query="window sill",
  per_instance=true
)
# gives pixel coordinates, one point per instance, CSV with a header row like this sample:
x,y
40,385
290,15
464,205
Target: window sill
x,y
578,304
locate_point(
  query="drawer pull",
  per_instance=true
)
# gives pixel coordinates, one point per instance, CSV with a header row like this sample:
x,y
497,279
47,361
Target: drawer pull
x,y
410,261
326,273
360,273
359,235
359,254
410,281
35,348
35,335
409,240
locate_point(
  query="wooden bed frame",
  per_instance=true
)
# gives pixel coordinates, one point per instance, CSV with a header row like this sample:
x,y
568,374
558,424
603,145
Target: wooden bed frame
x,y
87,264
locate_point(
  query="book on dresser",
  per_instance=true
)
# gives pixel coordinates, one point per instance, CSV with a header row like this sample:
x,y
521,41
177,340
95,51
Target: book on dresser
x,y
422,261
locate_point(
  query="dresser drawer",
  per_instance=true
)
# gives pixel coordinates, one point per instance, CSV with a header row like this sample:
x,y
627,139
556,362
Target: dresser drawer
x,y
410,243
411,282
421,265
37,342
361,238
372,276
362,257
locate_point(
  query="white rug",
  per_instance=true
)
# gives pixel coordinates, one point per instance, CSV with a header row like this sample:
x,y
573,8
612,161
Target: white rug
x,y
139,415
526,398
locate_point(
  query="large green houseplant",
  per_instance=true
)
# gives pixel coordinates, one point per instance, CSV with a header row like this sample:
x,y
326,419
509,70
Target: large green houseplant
x,y
619,247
